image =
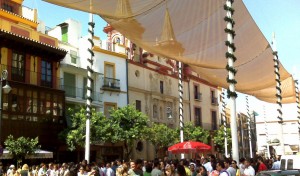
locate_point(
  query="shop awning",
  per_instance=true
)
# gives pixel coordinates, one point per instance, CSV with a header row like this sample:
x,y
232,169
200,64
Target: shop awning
x,y
39,154
198,26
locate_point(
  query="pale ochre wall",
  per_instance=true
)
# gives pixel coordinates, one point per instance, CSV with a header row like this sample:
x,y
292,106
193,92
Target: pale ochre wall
x,y
4,52
205,103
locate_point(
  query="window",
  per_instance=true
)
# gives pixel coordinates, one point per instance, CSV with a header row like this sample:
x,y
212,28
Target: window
x,y
197,94
74,57
213,120
69,84
46,77
198,118
138,105
8,7
169,110
161,87
155,111
18,66
109,70
64,33
214,100
108,107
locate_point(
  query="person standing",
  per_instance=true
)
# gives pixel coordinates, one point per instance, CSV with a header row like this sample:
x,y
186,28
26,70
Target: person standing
x,y
261,165
249,170
156,170
221,169
109,171
229,168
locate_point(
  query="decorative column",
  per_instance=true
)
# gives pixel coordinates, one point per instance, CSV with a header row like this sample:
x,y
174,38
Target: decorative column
x,y
249,127
180,90
89,87
278,95
223,115
231,76
267,134
298,107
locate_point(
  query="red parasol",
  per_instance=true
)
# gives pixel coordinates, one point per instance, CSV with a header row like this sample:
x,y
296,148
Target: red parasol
x,y
188,146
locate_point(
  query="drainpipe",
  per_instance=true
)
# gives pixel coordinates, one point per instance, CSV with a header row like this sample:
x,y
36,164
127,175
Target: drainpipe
x,y
190,109
127,81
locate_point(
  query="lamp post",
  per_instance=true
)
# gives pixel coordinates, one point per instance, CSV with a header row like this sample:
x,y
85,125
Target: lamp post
x,y
6,90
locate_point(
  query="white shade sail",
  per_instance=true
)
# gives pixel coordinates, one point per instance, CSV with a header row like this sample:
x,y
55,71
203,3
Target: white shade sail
x,y
198,27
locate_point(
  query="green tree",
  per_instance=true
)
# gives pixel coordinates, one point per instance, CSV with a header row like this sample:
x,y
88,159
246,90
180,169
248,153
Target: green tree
x,y
194,133
219,139
128,125
161,136
21,147
74,135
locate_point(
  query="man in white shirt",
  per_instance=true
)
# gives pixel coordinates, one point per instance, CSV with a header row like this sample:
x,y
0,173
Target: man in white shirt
x,y
207,165
249,171
109,171
276,164
242,166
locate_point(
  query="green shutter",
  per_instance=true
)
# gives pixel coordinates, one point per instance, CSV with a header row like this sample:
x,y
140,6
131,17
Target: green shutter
x,y
64,34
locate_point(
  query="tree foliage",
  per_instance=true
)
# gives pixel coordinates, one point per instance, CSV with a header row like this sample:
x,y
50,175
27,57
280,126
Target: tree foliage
x,y
125,124
75,133
195,133
219,139
161,136
21,147
128,125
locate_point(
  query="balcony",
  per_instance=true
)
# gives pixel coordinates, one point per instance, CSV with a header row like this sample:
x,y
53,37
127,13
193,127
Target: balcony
x,y
214,101
30,77
111,84
206,126
198,96
80,93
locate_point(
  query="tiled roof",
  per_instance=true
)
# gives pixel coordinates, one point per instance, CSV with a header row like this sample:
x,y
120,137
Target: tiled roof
x,y
29,39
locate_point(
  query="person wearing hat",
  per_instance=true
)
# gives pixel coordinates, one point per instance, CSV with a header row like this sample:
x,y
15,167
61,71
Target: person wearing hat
x,y
10,169
25,170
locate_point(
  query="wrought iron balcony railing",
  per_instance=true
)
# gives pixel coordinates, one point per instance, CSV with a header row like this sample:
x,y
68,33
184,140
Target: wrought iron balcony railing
x,y
75,92
111,84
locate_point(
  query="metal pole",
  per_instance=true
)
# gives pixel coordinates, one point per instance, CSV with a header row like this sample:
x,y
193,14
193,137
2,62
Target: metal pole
x,y
242,131
180,89
1,110
231,78
249,127
224,122
278,95
89,87
267,134
298,107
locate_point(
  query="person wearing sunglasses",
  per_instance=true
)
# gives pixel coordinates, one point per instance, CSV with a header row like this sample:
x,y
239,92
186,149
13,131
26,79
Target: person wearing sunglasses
x,y
235,166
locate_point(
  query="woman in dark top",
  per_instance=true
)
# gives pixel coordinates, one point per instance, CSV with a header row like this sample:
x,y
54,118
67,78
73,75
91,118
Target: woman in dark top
x,y
181,170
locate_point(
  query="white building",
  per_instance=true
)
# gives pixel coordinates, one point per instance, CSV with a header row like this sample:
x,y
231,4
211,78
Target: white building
x,y
109,78
290,136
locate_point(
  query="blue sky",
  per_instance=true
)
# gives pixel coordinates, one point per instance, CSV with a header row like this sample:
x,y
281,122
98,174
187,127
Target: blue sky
x,y
279,16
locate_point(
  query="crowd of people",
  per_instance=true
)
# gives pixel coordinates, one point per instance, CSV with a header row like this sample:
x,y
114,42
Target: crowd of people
x,y
209,166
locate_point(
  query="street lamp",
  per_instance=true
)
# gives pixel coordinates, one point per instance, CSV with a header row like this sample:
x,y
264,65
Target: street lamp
x,y
6,90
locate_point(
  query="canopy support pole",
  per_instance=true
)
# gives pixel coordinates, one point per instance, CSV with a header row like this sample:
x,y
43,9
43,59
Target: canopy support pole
x,y
89,87
298,107
278,95
223,114
267,134
249,128
231,76
180,91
